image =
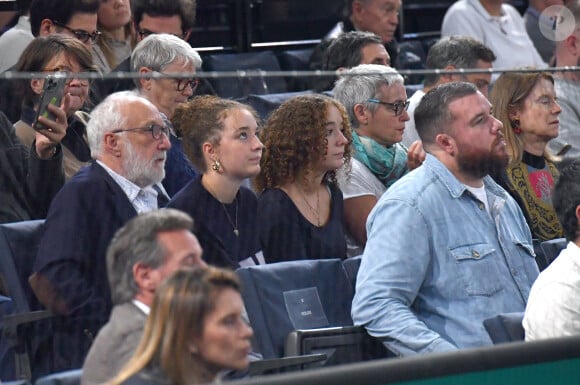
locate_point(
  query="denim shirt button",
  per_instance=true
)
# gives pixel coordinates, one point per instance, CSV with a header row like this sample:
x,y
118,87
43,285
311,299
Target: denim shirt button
x,y
481,206
475,254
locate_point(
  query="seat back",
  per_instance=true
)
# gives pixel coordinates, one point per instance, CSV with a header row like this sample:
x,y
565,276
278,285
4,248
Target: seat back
x,y
26,330
265,104
295,60
236,87
18,247
286,296
351,266
552,249
505,327
69,377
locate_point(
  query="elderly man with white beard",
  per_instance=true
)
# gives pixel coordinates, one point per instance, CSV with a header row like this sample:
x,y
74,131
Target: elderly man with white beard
x,y
129,142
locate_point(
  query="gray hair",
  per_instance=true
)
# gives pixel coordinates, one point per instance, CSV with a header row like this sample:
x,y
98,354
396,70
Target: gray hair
x,y
108,116
456,51
362,84
136,242
159,50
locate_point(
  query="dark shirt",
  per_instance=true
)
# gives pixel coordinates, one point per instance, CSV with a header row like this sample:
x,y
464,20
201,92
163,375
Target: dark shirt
x,y
215,228
286,235
27,183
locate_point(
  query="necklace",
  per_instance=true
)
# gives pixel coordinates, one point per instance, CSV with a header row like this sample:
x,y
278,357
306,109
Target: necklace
x,y
234,224
315,211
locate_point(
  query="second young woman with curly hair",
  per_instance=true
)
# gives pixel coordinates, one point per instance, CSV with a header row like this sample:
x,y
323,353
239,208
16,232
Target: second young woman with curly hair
x,y
300,207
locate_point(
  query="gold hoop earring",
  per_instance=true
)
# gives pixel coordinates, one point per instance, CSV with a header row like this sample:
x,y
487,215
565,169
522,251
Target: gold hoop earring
x,y
216,166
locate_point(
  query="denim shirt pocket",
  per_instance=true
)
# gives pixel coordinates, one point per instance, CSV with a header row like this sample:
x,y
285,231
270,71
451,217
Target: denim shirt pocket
x,y
477,268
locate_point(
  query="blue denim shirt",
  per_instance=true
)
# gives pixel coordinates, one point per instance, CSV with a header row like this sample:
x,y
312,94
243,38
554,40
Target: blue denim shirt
x,y
436,264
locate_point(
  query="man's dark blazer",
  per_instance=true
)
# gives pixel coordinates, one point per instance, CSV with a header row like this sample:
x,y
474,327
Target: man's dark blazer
x,y
27,183
70,269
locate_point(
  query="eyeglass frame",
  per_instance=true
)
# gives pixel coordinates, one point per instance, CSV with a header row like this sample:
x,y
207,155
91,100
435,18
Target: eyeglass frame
x,y
152,128
93,37
395,107
180,86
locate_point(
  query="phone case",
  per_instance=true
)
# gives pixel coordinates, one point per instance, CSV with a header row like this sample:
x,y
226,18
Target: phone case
x,y
52,94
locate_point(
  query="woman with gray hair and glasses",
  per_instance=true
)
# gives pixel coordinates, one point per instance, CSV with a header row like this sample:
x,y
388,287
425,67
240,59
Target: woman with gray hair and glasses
x,y
376,102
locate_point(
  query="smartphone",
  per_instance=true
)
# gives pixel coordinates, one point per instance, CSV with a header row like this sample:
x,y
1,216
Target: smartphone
x,y
52,93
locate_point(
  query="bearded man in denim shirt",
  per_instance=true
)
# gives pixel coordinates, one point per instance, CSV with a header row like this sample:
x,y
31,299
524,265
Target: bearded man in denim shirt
x,y
447,247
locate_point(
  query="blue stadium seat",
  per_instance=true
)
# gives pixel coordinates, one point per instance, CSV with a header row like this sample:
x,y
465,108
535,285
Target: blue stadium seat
x,y
237,87
552,249
26,332
505,327
351,266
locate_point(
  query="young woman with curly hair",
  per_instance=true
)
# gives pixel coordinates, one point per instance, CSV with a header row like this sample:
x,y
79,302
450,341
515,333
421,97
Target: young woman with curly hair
x,y
300,206
220,138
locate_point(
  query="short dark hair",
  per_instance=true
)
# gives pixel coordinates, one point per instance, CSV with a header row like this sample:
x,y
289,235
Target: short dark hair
x,y
59,10
184,8
457,51
567,197
432,115
346,49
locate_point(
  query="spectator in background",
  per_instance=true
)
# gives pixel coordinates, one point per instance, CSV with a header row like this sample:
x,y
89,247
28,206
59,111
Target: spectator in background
x,y
533,18
451,53
348,50
380,17
117,34
526,105
552,309
220,139
163,55
76,18
194,333
129,144
300,212
376,102
14,40
447,247
142,254
174,17
567,85
497,25
57,53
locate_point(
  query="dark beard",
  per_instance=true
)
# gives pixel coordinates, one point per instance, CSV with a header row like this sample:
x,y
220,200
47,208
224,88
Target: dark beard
x,y
479,165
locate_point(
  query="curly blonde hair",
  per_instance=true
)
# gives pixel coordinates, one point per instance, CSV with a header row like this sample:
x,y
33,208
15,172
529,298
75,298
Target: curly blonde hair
x,y
294,139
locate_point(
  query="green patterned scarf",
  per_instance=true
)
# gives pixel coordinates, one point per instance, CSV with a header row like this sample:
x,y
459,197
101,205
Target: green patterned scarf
x,y
388,164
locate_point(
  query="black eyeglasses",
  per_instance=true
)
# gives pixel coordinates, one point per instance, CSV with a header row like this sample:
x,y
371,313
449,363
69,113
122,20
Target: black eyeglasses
x,y
397,108
181,84
155,129
80,34
144,32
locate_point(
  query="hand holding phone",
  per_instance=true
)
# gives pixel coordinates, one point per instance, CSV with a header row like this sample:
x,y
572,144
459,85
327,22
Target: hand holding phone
x,y
52,93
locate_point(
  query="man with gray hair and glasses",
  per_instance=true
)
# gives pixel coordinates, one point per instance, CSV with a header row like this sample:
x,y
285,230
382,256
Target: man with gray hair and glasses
x,y
376,102
141,255
129,143
164,55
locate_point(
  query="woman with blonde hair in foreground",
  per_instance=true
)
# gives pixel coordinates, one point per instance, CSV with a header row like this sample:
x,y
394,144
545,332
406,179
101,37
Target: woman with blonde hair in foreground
x,y
194,331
